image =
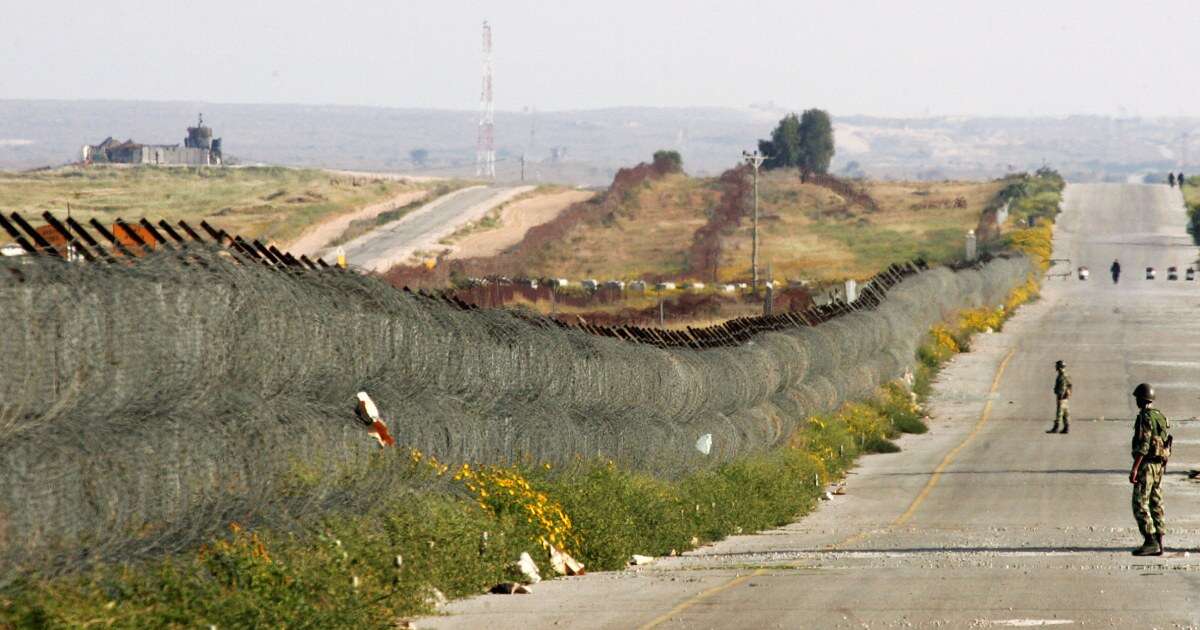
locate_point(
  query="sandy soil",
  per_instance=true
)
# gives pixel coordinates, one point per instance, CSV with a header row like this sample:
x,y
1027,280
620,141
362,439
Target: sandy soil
x,y
317,237
515,221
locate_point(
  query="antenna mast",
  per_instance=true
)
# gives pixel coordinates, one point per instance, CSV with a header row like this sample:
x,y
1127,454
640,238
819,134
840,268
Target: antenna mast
x,y
485,148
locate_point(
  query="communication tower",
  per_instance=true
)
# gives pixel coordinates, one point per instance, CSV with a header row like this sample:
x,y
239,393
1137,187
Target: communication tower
x,y
485,148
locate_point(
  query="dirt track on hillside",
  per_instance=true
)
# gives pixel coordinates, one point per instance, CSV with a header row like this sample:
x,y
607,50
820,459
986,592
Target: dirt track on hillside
x,y
515,220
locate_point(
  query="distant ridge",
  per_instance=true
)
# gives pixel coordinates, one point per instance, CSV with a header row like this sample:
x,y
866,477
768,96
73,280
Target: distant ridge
x,y
592,144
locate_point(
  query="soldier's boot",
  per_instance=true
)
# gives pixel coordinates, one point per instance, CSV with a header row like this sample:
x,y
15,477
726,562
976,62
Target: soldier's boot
x,y
1054,429
1158,541
1149,548
1066,427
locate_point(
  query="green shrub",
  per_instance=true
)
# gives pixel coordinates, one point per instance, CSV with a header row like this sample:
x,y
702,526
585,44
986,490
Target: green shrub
x,y
895,403
341,571
667,161
617,513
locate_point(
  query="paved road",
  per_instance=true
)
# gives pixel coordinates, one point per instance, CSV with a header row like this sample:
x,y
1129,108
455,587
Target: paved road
x,y
986,521
420,230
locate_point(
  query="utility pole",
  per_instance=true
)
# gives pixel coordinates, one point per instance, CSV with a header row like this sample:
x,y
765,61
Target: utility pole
x,y
522,167
754,160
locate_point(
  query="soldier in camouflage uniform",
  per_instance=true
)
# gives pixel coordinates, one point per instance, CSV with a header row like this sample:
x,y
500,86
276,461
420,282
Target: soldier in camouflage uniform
x,y
1151,449
1062,391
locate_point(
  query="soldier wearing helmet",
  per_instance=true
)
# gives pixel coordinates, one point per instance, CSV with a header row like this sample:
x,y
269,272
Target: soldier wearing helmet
x,y
1151,449
1062,392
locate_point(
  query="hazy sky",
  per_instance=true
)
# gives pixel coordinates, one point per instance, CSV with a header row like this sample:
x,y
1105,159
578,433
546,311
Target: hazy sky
x,y
1004,57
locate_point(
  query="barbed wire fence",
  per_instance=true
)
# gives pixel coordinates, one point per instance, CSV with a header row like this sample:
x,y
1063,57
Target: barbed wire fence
x,y
145,405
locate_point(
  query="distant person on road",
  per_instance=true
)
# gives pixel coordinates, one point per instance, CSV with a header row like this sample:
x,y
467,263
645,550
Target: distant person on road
x,y
1180,180
1062,392
1171,179
1151,449
1116,271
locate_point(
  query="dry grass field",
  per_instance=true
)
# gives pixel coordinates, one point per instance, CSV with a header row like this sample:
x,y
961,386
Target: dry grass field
x,y
647,236
276,204
806,231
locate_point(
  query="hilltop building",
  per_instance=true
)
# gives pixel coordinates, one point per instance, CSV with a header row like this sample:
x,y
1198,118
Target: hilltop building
x,y
199,149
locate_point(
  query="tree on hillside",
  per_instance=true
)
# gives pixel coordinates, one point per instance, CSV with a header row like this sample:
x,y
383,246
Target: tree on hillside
x,y
418,157
668,161
1054,179
804,142
816,143
1015,187
783,149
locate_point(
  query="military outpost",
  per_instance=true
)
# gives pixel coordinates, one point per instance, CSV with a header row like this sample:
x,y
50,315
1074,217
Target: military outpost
x,y
199,149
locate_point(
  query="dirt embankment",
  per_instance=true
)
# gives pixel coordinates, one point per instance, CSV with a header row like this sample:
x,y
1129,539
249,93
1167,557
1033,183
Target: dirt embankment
x,y
705,253
854,195
514,260
515,221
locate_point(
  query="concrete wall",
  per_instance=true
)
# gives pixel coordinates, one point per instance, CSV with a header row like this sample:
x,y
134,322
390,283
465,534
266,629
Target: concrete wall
x,y
152,154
